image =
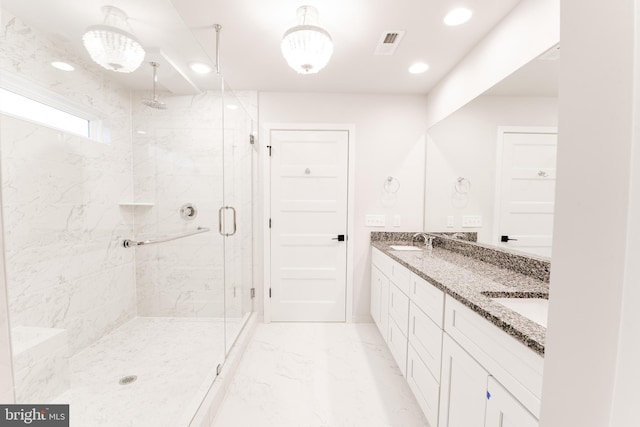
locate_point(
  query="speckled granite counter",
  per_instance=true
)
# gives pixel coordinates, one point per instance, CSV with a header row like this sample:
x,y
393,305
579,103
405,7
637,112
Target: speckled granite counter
x,y
474,283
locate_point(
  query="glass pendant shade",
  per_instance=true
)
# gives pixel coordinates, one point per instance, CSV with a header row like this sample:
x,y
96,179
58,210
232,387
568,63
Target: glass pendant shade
x,y
307,47
111,45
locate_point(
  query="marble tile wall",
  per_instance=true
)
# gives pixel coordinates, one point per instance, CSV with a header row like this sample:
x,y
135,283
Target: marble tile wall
x,y
63,225
6,371
178,159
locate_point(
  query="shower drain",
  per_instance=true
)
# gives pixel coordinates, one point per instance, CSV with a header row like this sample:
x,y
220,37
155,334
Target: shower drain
x,y
128,379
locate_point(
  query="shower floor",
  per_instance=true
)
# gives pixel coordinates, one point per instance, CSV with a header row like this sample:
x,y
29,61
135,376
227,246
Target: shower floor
x,y
175,362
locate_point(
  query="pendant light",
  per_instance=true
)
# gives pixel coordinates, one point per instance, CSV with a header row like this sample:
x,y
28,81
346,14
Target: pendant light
x,y
307,47
111,45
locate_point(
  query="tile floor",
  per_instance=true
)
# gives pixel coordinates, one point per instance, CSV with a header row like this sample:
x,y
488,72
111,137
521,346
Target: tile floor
x,y
174,366
318,374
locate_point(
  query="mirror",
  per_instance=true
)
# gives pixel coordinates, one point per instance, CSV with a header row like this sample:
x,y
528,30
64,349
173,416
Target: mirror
x,y
490,166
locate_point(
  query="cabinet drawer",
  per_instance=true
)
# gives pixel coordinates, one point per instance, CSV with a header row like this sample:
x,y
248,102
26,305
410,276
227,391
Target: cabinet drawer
x,y
514,365
381,261
428,298
426,339
398,345
424,387
399,308
401,276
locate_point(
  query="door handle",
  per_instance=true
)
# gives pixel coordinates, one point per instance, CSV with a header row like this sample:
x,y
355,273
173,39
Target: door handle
x,y
222,223
340,238
235,223
506,238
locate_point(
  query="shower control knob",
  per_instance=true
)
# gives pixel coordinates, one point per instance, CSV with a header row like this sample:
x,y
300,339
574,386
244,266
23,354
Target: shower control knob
x,y
188,211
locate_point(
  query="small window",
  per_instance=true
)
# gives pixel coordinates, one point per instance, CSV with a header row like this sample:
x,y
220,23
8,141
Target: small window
x,y
26,108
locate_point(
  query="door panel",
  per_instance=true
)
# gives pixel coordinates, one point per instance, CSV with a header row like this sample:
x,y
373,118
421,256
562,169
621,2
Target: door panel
x,y
308,180
527,189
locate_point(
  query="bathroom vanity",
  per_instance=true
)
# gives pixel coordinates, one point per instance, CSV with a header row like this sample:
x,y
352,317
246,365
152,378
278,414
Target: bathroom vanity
x,y
466,324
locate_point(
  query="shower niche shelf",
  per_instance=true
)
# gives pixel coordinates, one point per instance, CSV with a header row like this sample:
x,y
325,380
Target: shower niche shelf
x,y
137,204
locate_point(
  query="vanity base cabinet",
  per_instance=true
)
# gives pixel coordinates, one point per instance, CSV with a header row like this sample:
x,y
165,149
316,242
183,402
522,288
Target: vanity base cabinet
x,y
504,410
423,385
463,388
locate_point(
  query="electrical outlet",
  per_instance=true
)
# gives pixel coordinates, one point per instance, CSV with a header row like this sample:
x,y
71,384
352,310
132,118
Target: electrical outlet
x,y
472,221
375,221
396,220
451,221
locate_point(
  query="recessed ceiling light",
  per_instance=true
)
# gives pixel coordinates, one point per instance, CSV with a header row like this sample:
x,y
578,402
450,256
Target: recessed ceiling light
x,y
200,68
141,132
457,16
62,66
418,68
232,107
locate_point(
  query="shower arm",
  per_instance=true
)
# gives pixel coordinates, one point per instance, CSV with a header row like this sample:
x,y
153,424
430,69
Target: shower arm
x,y
133,243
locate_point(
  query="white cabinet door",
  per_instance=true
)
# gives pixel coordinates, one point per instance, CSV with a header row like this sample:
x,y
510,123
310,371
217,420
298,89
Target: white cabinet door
x,y
398,342
426,338
463,388
384,307
424,386
503,410
399,307
375,295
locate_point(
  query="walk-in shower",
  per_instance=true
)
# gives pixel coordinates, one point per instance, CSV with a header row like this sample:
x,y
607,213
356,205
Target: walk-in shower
x,y
127,244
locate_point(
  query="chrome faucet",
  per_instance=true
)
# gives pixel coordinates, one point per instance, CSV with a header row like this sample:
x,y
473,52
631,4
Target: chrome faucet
x,y
428,240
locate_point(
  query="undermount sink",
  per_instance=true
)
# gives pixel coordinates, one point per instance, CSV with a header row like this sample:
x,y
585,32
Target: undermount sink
x,y
405,248
534,309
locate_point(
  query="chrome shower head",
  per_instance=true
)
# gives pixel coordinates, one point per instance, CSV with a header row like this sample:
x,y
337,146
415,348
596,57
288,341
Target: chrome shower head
x,y
154,102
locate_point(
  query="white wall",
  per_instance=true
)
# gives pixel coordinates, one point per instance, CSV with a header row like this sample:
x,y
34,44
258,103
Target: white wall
x,y
593,340
529,30
389,141
464,145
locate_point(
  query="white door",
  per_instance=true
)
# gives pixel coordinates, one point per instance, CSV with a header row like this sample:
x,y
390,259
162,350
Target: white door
x,y
309,171
527,176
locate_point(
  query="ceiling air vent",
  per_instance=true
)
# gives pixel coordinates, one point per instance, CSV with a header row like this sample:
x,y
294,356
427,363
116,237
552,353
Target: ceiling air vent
x,y
389,41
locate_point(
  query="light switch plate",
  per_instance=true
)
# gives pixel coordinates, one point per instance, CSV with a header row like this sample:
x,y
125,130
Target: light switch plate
x,y
451,221
396,220
472,221
375,221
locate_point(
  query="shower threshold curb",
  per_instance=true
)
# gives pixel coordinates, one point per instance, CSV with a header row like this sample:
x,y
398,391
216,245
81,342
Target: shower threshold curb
x,y
206,413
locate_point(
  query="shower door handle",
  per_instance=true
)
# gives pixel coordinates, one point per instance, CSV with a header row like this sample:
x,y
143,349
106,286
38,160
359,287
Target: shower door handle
x,y
235,223
221,221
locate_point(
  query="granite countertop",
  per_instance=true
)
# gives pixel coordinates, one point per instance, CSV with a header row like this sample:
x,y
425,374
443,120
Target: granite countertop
x,y
473,282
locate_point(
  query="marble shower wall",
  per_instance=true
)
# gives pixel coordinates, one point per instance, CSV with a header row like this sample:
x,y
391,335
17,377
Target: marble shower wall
x,y
178,159
63,225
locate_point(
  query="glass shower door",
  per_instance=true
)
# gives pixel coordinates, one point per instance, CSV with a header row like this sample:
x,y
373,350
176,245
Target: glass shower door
x,y
237,213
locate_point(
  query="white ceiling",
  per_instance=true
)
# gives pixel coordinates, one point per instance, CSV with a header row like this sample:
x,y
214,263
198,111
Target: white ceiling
x,y
251,34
